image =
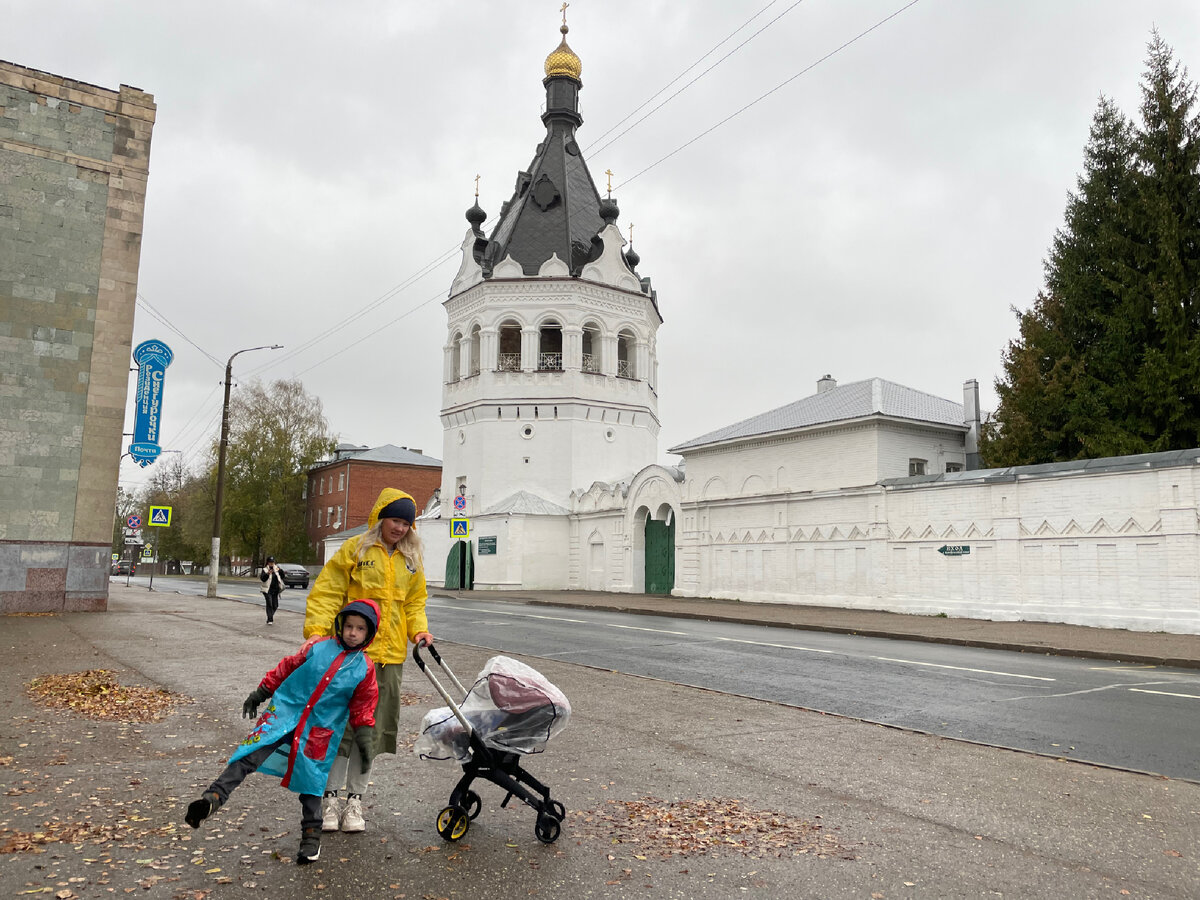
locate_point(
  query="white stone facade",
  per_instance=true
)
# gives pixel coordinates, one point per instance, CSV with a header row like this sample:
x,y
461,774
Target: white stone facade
x,y
540,420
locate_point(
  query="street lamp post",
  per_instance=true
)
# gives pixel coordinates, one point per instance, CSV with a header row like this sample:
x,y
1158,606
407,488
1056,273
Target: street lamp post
x,y
215,559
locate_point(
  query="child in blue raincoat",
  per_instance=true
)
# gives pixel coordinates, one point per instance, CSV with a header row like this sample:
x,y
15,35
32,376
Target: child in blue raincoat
x,y
314,693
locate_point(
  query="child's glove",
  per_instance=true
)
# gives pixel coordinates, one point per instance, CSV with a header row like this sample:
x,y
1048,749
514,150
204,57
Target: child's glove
x,y
250,707
366,746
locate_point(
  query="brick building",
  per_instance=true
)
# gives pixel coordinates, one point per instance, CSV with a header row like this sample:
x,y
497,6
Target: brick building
x,y
342,490
74,160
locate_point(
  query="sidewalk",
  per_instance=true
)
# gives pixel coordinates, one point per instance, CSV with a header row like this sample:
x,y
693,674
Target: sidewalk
x,y
670,791
1149,647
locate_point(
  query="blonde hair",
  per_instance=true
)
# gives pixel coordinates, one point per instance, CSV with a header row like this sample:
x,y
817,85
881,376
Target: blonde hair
x,y
410,546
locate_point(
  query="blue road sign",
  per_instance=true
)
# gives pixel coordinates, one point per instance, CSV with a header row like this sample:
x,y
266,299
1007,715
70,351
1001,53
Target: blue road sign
x,y
460,502
460,528
160,516
152,358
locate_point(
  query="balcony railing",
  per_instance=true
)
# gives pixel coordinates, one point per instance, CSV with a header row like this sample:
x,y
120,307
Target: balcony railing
x,y
549,362
508,362
591,363
624,369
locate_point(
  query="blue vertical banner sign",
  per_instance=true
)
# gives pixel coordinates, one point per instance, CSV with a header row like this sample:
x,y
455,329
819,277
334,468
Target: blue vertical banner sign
x,y
152,358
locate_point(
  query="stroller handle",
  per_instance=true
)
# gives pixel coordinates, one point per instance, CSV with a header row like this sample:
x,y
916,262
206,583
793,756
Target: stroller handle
x,y
437,685
432,652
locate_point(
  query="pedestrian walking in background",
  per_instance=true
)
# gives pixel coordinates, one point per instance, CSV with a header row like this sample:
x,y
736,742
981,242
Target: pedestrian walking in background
x,y
314,692
273,586
384,563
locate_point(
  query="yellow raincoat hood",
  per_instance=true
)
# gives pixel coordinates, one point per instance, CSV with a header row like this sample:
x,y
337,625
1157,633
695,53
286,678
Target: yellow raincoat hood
x,y
386,496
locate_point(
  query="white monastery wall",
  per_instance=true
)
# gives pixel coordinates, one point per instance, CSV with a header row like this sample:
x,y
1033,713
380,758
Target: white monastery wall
x,y
1114,549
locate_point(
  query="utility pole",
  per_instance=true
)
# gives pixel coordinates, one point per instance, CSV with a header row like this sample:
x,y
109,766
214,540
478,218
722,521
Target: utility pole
x,y
215,559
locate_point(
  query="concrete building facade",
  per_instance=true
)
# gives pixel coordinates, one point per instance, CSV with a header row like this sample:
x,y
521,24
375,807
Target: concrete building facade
x,y
74,162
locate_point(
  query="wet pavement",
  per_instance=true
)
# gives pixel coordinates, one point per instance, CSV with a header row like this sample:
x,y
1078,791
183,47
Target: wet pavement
x,y
670,791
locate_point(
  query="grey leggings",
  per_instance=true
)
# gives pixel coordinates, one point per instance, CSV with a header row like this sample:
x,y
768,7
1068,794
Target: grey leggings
x,y
235,773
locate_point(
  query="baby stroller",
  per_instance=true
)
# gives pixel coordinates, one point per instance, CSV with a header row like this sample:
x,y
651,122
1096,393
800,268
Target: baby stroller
x,y
511,710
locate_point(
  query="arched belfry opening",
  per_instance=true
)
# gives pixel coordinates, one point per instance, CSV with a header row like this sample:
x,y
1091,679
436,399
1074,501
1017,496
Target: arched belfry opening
x,y
626,354
509,357
550,347
592,361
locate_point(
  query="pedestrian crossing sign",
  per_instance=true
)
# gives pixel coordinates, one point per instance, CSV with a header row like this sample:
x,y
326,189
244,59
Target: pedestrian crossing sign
x,y
160,515
460,528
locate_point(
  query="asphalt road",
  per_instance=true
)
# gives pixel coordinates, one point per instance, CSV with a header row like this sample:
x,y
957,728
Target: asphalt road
x,y
1138,718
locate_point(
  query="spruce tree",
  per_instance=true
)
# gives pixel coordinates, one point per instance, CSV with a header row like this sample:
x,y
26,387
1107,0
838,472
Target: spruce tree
x,y
1054,397
1167,218
1107,359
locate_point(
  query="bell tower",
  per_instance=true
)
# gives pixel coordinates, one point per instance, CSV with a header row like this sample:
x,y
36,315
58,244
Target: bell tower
x,y
550,379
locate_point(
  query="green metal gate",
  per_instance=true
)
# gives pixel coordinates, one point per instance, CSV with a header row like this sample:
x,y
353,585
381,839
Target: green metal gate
x,y
660,557
460,567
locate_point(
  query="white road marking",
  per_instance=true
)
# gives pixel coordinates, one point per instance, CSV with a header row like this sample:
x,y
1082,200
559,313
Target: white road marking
x,y
521,615
768,644
913,662
1165,693
654,630
1120,668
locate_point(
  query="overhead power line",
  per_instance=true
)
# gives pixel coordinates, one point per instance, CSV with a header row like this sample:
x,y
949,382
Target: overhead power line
x,y
167,323
705,56
762,97
608,144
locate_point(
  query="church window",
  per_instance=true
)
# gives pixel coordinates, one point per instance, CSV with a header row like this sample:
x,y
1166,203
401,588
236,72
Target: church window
x,y
626,355
591,349
509,357
550,344
954,467
916,466
527,432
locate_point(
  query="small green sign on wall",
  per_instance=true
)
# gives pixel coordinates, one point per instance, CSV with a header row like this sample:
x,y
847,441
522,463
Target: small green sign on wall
x,y
487,546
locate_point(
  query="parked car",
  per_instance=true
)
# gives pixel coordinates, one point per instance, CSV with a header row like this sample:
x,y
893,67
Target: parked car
x,y
124,567
293,575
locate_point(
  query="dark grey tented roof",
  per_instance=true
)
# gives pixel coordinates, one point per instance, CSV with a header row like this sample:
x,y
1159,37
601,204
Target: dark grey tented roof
x,y
555,208
857,400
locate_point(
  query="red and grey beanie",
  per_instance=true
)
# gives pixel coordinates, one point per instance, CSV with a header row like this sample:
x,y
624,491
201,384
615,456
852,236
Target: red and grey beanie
x,y
368,609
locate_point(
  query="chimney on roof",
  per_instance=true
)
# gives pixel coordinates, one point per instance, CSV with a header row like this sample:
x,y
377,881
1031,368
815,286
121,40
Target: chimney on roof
x,y
971,420
828,383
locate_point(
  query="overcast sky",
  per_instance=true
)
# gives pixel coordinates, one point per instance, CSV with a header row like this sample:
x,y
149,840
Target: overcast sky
x,y
878,215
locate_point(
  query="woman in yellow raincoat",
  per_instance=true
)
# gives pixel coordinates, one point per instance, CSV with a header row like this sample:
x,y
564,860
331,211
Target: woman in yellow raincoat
x,y
384,564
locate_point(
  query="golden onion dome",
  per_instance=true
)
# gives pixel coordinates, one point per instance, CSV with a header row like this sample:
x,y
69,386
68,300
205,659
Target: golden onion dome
x,y
563,61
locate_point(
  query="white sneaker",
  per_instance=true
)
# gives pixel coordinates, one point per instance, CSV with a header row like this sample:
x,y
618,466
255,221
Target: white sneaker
x,y
331,813
352,816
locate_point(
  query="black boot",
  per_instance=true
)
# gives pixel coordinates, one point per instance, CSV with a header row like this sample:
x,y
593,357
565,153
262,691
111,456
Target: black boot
x,y
310,845
199,810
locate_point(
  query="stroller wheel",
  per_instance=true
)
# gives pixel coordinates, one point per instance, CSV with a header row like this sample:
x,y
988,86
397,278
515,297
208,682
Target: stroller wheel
x,y
557,810
472,804
547,828
453,822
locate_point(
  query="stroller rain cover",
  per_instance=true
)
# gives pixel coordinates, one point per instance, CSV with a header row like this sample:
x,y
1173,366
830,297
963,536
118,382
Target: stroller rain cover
x,y
511,706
